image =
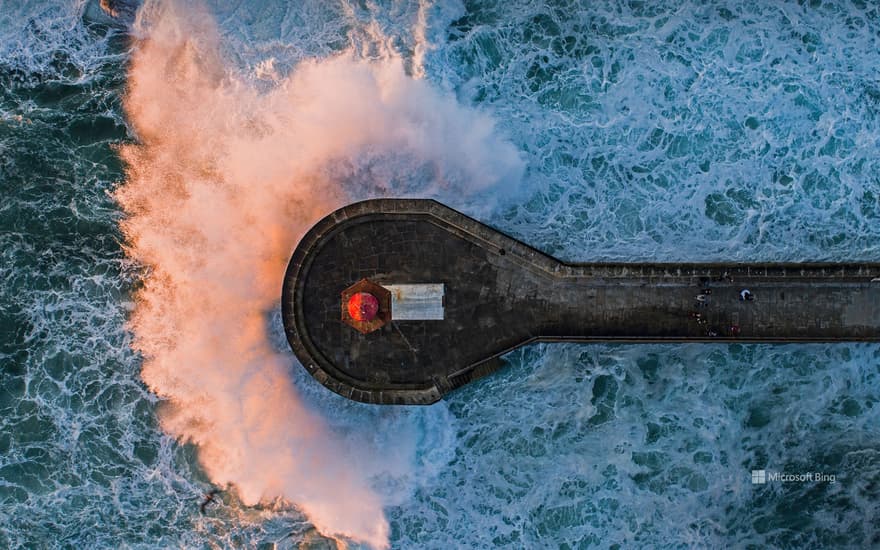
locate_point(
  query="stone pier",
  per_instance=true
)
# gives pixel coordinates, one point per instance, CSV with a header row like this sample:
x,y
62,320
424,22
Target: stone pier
x,y
484,294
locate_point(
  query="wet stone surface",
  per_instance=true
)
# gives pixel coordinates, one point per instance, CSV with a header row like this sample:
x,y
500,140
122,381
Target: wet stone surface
x,y
500,294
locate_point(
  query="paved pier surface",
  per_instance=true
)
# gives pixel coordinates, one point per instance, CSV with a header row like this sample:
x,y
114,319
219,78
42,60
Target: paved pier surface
x,y
501,294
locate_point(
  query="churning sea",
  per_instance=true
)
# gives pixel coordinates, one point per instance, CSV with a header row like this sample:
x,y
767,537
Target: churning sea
x,y
640,130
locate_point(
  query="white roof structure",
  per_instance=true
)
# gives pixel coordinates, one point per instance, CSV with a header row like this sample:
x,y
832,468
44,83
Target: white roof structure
x,y
417,302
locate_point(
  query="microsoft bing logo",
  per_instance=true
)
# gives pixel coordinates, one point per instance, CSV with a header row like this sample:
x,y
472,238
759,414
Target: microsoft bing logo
x,y
761,477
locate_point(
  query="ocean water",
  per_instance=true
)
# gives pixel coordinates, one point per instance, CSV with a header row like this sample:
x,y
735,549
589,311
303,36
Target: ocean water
x,y
621,130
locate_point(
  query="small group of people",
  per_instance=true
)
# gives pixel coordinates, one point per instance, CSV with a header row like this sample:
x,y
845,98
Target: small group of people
x,y
714,330
702,300
745,295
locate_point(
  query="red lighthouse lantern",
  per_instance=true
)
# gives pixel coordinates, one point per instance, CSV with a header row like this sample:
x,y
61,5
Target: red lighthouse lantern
x,y
366,306
363,306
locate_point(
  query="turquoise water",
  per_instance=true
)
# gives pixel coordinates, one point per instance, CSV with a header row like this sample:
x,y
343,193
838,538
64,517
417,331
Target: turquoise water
x,y
642,130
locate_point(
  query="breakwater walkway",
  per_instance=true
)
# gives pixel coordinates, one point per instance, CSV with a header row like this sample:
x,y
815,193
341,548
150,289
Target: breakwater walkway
x,y
402,300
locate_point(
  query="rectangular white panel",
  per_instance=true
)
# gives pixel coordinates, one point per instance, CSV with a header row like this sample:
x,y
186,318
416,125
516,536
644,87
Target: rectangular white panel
x,y
419,302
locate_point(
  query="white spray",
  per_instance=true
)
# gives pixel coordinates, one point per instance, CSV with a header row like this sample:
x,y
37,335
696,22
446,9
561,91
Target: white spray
x,y
220,186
